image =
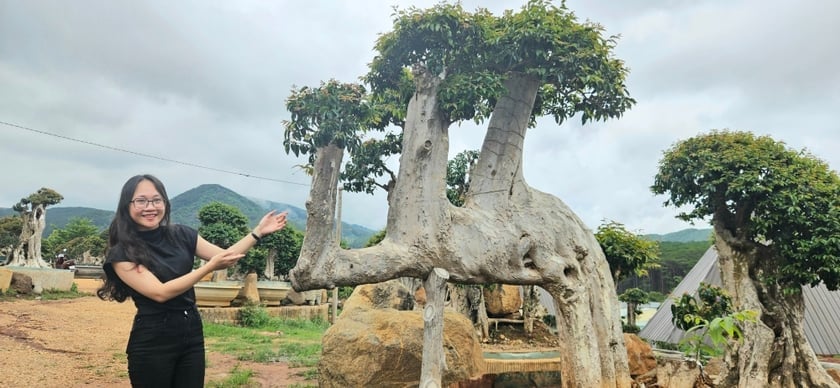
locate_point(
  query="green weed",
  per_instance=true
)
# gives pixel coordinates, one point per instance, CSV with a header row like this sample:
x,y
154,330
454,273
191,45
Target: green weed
x,y
238,378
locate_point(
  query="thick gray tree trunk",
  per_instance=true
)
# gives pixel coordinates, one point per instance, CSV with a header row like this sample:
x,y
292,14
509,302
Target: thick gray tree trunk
x,y
434,362
774,352
27,253
506,233
469,301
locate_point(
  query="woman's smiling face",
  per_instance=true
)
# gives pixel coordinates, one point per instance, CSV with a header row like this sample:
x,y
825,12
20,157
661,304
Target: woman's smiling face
x,y
147,217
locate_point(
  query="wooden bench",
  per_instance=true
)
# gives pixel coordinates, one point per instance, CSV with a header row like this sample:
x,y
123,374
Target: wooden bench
x,y
495,321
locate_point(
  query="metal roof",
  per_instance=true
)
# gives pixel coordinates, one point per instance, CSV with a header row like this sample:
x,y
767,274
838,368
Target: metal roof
x,y
822,309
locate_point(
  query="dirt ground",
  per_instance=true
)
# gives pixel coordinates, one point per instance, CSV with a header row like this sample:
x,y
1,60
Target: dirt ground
x,y
81,343
512,337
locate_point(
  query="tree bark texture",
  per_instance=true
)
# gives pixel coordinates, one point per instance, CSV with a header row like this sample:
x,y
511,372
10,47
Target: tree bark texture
x,y
434,362
774,352
28,251
469,300
506,232
530,302
631,314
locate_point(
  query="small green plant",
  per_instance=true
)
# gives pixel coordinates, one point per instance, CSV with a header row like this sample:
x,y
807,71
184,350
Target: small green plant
x,y
711,302
710,338
344,292
630,329
237,378
308,374
254,315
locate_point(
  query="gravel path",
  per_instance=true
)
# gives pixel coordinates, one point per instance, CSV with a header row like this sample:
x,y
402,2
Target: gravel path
x,y
81,343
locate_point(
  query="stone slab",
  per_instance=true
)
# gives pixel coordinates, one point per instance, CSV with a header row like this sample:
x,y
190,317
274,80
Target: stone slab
x,y
46,278
5,279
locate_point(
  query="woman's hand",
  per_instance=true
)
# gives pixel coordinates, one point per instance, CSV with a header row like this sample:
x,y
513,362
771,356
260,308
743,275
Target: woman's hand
x,y
224,259
270,223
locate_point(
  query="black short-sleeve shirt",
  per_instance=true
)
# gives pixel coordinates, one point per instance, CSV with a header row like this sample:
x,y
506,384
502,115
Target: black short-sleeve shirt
x,y
173,257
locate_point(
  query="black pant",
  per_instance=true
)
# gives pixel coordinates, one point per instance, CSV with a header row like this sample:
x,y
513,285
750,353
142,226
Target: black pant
x,y
166,350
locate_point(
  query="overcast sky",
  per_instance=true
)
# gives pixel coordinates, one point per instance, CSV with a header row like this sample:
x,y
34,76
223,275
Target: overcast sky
x,y
201,87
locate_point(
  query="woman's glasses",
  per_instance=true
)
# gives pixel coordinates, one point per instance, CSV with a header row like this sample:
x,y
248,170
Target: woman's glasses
x,y
142,203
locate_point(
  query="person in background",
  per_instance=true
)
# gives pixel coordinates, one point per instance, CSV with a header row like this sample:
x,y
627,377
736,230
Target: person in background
x,y
151,261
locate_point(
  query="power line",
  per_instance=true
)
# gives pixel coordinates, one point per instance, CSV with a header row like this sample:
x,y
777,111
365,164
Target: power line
x,y
152,156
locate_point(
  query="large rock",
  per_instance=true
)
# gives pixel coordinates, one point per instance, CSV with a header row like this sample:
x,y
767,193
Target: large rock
x,y
639,355
678,374
22,284
383,346
391,295
502,300
835,374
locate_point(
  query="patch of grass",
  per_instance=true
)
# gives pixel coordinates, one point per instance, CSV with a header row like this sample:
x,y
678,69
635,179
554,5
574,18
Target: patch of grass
x,y
300,354
9,294
50,294
296,341
296,385
237,378
56,294
308,374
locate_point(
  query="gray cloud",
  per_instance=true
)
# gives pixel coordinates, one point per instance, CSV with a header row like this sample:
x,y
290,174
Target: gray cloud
x,y
205,83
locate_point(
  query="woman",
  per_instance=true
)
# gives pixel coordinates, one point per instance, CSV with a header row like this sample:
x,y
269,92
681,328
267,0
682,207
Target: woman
x,y
151,261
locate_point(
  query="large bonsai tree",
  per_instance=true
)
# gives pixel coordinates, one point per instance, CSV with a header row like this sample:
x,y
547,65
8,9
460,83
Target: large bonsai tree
x,y
449,65
33,216
776,218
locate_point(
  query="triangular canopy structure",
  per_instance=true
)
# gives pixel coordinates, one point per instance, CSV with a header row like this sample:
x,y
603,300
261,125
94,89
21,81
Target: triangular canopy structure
x,y
822,309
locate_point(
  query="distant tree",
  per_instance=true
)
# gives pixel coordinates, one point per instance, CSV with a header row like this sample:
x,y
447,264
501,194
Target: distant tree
x,y
626,252
224,225
633,297
79,236
776,218
376,238
283,248
10,228
33,214
458,172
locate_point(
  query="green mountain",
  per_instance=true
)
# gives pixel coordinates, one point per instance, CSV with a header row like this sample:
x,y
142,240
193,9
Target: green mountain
x,y
186,205
685,235
58,217
296,215
678,253
185,211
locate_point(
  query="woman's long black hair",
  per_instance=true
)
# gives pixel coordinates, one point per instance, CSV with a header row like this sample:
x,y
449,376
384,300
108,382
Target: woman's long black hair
x,y
123,232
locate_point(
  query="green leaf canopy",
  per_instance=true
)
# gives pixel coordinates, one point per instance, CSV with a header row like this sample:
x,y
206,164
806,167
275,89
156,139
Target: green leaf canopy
x,y
766,195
